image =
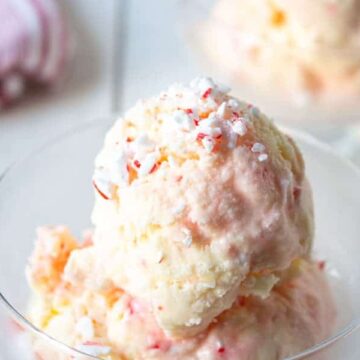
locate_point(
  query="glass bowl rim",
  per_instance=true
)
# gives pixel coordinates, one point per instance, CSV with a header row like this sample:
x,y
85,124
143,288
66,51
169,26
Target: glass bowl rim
x,y
11,310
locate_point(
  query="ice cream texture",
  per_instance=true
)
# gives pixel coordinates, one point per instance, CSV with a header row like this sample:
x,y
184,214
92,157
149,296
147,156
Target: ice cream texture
x,y
203,226
307,46
111,324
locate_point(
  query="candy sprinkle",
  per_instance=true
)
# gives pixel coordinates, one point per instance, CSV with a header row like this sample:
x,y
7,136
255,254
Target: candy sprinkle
x,y
208,143
207,93
105,194
94,348
263,157
201,136
239,127
257,148
220,347
187,241
148,165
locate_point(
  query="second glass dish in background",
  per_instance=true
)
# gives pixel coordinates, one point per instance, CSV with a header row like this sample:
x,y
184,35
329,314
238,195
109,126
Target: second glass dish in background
x,y
215,43
53,186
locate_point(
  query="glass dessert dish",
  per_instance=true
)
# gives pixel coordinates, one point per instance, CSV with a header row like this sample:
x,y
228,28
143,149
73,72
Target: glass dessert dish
x,y
53,185
214,41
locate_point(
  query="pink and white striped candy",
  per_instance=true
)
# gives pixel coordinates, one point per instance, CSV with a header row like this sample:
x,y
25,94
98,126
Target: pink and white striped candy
x,y
34,45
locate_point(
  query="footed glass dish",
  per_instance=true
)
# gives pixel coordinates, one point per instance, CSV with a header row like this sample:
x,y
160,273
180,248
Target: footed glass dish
x,y
53,186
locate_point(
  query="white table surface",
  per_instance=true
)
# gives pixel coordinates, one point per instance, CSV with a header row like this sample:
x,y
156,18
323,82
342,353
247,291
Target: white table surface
x,y
85,92
152,58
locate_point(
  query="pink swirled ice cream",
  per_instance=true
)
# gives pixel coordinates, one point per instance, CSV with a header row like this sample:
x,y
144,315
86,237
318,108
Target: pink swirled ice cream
x,y
203,226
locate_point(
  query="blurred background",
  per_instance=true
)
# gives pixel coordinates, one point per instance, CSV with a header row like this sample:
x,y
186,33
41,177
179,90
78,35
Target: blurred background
x,y
122,50
150,55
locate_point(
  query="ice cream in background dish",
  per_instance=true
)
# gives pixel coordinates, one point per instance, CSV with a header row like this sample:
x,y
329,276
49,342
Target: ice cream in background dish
x,y
203,226
310,48
35,46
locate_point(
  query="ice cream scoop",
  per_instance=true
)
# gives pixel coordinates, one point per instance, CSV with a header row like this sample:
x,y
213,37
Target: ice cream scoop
x,y
200,199
201,247
109,323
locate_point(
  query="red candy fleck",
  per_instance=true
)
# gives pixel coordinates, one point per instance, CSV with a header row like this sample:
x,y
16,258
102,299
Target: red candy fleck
x,y
207,93
155,346
99,191
161,343
296,192
196,122
188,111
137,163
221,350
201,136
242,300
155,167
218,137
131,307
321,265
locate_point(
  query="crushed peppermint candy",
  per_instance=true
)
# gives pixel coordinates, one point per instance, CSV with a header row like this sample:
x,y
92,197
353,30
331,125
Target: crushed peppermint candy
x,y
103,185
263,157
223,110
202,114
187,241
234,105
148,164
183,120
220,348
207,93
85,328
193,321
177,210
141,146
239,127
205,87
94,348
208,143
258,148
